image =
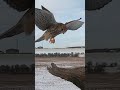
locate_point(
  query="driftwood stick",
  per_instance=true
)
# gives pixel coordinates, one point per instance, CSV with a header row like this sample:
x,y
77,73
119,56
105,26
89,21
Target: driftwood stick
x,y
74,75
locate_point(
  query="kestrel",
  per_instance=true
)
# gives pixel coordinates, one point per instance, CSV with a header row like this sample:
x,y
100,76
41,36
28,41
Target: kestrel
x,y
45,21
26,23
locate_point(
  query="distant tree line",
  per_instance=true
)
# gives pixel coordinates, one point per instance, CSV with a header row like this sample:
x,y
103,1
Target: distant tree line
x,y
113,50
98,68
17,69
58,54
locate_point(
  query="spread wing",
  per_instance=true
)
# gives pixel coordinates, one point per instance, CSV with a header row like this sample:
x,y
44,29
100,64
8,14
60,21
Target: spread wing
x,y
20,5
25,24
44,18
95,4
74,25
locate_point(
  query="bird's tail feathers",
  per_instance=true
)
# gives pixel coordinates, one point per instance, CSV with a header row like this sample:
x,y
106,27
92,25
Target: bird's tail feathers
x,y
15,30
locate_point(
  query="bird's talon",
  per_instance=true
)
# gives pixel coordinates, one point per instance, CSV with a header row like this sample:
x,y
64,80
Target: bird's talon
x,y
52,40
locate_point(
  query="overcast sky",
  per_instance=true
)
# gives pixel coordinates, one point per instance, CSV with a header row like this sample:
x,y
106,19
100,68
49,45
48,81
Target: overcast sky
x,y
64,11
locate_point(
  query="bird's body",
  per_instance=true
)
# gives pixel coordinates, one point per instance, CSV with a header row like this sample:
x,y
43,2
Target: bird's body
x,y
53,31
56,29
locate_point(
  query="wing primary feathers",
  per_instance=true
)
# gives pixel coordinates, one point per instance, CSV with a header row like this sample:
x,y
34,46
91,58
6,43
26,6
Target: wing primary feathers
x,y
73,21
43,8
44,19
96,4
17,29
20,5
74,25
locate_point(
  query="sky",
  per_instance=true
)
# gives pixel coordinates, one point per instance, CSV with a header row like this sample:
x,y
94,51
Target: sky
x,y
64,11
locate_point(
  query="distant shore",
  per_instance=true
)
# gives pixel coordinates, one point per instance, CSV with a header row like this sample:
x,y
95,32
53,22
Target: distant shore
x,y
102,50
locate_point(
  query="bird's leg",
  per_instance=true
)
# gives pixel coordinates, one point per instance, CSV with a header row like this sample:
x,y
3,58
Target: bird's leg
x,y
52,40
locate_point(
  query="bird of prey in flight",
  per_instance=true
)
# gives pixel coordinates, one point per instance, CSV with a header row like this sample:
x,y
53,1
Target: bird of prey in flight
x,y
45,21
27,22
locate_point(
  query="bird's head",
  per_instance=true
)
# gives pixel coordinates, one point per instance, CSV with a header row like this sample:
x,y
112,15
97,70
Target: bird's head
x,y
62,28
